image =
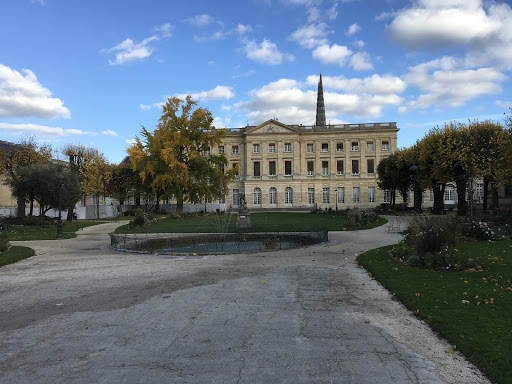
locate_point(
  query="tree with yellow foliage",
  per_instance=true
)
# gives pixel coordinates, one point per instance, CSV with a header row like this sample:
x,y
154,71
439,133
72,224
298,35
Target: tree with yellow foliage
x,y
176,157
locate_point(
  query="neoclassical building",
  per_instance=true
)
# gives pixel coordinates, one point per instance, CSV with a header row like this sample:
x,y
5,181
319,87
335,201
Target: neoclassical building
x,y
296,166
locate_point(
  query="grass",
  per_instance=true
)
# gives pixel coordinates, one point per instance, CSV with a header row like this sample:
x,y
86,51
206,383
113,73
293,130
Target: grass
x,y
260,222
481,328
14,254
49,232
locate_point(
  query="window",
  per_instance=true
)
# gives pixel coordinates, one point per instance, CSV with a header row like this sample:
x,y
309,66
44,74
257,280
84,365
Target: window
x,y
369,146
309,148
235,166
371,194
355,146
272,196
449,195
236,197
325,168
234,149
339,147
355,167
288,197
256,148
95,199
387,196
221,168
325,195
207,151
222,200
480,191
257,197
221,149
287,168
355,195
271,148
370,166
339,167
287,147
271,168
325,147
257,169
385,145
311,169
340,195
311,196
431,195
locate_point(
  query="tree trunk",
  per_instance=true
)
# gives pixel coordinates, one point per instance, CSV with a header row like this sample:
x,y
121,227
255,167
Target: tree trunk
x,y
486,194
179,207
462,207
495,200
98,208
438,207
157,196
137,201
32,206
21,208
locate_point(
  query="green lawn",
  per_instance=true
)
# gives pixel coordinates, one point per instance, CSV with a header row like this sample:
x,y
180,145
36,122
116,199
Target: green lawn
x,y
260,222
481,328
14,254
26,232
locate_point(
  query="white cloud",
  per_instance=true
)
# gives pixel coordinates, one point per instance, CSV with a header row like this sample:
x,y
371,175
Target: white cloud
x,y
311,35
266,52
218,93
22,95
243,29
332,13
109,133
361,61
287,100
226,107
41,2
130,142
313,14
219,122
217,35
201,20
359,43
445,83
334,54
43,130
129,51
385,16
145,106
504,104
164,29
352,30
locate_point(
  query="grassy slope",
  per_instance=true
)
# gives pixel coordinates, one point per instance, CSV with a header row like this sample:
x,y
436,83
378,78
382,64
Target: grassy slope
x,y
260,222
482,332
14,254
23,232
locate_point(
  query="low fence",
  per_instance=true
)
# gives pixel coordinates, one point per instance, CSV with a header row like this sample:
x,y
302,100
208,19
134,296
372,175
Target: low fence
x,y
214,243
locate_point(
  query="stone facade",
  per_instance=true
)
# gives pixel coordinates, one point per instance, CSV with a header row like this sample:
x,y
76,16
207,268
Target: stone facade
x,y
295,166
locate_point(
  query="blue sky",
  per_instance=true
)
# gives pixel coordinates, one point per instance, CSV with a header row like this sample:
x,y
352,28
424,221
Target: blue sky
x,y
92,72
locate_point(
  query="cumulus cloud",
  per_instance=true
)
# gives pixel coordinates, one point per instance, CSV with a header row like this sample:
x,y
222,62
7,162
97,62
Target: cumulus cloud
x,y
352,30
130,142
243,29
219,122
218,93
217,35
266,52
444,83
361,61
292,103
21,95
335,54
128,50
43,130
311,35
109,133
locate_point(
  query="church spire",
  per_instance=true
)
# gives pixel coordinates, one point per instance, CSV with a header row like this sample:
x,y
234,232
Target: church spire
x,y
320,107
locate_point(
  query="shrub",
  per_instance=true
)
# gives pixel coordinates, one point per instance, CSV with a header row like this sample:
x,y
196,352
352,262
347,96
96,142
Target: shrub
x,y
354,216
142,218
4,243
431,234
479,230
402,251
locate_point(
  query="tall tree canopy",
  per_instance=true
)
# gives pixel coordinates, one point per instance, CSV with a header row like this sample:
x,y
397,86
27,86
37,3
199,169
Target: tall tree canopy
x,y
176,157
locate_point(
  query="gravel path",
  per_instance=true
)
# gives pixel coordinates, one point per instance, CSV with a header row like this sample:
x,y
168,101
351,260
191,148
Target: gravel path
x,y
78,312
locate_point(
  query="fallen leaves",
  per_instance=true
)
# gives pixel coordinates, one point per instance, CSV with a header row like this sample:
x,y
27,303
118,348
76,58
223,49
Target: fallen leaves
x,y
452,349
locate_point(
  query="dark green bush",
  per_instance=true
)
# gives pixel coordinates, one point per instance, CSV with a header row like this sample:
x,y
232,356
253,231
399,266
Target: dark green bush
x,y
4,243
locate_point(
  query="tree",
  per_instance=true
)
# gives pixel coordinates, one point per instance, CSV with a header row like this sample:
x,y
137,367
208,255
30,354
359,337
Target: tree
x,y
25,153
387,172
176,158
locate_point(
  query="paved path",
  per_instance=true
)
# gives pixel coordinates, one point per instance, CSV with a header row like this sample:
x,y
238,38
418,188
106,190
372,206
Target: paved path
x,y
78,312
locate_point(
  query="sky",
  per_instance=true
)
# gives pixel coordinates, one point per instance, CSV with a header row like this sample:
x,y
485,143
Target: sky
x,y
95,72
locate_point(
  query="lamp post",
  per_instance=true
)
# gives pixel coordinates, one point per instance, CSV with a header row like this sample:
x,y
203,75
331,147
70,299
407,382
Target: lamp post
x,y
336,198
60,180
413,170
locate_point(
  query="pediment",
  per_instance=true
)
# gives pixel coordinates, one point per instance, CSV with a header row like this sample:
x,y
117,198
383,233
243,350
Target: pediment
x,y
271,126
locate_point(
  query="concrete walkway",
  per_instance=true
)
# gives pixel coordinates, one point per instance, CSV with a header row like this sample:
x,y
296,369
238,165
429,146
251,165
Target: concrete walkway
x,y
78,312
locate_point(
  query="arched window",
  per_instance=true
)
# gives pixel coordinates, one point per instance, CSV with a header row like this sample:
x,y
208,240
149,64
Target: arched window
x,y
257,197
288,197
272,197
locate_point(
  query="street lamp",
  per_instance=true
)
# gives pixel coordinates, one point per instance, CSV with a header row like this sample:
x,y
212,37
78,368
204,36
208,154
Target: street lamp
x,y
413,170
60,180
336,198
